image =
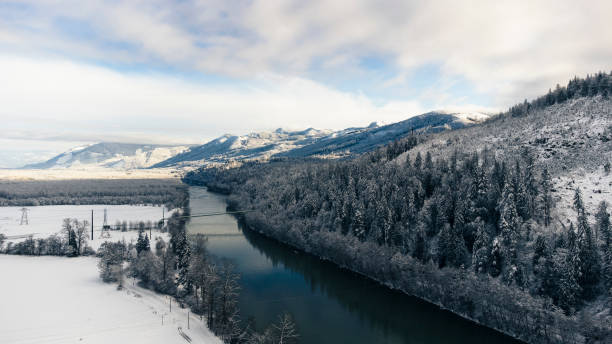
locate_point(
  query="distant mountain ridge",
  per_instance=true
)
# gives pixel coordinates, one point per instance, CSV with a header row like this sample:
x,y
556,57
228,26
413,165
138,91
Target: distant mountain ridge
x,y
260,146
110,155
253,146
360,140
316,143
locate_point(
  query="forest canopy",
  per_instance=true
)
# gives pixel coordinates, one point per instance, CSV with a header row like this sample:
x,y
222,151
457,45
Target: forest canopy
x,y
169,192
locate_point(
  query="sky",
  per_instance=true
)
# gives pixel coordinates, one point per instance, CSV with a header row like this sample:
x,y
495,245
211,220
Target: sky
x,y
187,71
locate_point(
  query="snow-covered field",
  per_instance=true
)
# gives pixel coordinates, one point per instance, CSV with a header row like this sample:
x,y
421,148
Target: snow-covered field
x,y
87,173
62,300
46,220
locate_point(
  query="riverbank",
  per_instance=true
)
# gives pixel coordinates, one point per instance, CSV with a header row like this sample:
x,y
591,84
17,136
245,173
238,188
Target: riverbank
x,y
329,304
480,299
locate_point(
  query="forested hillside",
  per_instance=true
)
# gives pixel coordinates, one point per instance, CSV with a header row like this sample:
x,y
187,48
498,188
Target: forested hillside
x,y
463,219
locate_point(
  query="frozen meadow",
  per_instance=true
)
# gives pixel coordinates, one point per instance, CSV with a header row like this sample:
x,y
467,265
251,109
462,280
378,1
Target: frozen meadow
x,y
63,300
46,220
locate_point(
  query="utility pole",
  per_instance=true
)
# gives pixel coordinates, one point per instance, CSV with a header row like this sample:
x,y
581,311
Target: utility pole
x,y
188,320
91,224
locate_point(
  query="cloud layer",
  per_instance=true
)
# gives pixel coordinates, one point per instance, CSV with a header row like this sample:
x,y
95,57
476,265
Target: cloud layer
x,y
506,49
59,100
185,71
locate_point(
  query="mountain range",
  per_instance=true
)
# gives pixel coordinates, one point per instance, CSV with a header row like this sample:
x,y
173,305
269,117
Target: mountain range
x,y
260,146
110,155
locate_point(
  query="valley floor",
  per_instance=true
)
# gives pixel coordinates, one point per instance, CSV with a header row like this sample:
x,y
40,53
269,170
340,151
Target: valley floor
x,y
44,221
63,300
87,173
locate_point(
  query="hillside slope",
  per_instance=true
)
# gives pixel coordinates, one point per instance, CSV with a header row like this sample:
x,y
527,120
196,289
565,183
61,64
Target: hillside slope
x,y
573,140
360,140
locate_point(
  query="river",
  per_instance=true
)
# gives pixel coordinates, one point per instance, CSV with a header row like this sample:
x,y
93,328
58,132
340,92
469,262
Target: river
x,y
328,304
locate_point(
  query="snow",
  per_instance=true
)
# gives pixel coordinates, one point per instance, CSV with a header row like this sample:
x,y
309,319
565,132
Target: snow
x,y
87,172
595,187
114,156
62,300
472,117
46,220
131,236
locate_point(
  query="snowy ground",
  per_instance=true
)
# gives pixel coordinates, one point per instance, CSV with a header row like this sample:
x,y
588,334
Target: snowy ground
x,y
62,300
595,187
88,173
46,220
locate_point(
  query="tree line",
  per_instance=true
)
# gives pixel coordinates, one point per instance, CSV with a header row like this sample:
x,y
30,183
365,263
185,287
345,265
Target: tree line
x,y
446,230
70,242
597,84
168,192
184,269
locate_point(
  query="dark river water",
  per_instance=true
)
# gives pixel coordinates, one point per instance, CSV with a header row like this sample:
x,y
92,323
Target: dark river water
x,y
328,304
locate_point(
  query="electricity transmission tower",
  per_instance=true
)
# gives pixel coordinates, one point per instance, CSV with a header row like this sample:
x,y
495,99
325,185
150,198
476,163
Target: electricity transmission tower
x,y
24,216
105,227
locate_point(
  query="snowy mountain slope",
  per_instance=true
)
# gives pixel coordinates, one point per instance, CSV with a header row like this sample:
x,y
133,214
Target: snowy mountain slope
x,y
313,142
572,139
110,155
254,146
359,140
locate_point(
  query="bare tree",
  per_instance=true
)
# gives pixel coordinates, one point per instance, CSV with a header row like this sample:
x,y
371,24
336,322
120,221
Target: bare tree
x,y
284,330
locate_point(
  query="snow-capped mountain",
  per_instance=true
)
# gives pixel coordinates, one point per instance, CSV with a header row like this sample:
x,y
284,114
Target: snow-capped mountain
x,y
259,146
360,140
253,146
313,142
111,155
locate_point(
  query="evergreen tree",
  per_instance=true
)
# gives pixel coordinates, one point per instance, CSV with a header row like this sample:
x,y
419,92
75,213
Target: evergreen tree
x,y
451,247
497,259
509,225
546,198
481,250
142,244
568,288
605,232
419,250
72,244
540,250
183,254
359,222
417,163
603,225
530,183
521,199
587,250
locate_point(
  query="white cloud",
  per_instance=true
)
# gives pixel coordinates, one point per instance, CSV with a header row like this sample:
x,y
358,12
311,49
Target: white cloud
x,y
507,49
57,99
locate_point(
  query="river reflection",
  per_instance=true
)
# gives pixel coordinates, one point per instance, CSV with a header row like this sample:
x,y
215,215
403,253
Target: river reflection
x,y
329,305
